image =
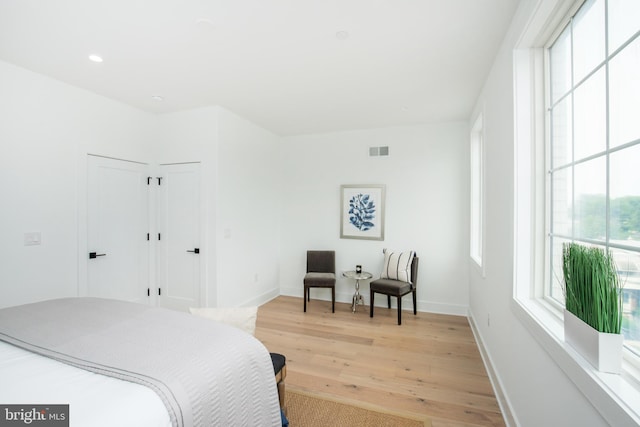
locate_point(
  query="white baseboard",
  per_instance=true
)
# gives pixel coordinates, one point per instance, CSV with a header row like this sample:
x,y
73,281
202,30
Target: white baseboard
x,y
347,297
503,400
440,308
261,299
318,294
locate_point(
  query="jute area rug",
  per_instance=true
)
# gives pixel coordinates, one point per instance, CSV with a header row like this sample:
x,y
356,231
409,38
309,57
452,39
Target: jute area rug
x,y
307,410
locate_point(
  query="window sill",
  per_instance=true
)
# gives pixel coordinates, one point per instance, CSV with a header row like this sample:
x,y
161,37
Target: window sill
x,y
616,397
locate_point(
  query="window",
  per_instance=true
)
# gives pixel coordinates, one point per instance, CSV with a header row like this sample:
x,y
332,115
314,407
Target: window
x,y
593,159
570,159
476,191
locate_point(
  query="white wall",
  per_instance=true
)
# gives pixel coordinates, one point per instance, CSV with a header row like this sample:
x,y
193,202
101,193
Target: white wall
x,y
46,130
427,192
247,212
538,392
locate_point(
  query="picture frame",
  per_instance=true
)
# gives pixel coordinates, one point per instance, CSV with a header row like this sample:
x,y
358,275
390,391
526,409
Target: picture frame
x,y
362,211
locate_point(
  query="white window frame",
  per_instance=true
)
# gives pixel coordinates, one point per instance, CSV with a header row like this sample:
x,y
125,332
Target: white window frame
x,y
616,397
476,183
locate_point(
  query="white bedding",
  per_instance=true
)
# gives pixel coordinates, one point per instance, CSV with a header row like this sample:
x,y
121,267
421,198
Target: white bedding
x,y
205,373
94,400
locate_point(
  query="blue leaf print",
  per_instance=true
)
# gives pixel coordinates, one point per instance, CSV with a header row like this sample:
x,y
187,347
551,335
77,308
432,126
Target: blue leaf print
x,y
362,211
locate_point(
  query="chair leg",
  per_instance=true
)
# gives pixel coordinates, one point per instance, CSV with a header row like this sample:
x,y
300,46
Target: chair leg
x,y
333,299
389,301
399,310
371,293
414,302
304,298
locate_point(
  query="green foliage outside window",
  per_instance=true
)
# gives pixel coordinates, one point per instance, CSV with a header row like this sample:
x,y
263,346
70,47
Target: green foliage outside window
x,y
625,217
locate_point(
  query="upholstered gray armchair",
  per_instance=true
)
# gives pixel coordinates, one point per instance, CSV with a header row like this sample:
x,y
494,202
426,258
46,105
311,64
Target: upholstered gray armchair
x,y
396,288
321,273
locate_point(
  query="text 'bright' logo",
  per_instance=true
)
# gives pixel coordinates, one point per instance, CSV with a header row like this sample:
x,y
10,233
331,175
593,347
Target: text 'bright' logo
x,y
26,416
36,415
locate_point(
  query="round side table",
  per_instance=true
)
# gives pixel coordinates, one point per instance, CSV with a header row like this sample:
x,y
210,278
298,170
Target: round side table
x,y
357,298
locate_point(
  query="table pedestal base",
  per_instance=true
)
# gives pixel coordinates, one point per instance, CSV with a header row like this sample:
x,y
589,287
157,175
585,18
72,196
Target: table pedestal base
x,y
357,297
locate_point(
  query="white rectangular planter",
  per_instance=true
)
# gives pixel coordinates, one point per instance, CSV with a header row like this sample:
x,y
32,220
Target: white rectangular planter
x,y
603,351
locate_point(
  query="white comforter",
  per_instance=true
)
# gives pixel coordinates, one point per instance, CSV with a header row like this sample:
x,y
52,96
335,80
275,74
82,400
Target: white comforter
x,y
94,400
205,373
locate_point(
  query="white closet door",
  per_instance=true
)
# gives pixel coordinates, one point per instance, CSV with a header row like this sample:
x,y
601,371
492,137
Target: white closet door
x,y
180,251
118,223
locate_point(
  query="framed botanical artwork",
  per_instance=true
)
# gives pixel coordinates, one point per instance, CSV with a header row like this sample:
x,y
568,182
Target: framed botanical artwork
x,y
362,212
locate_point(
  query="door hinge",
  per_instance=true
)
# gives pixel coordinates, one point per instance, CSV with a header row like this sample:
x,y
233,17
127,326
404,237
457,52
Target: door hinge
x,y
159,291
159,180
147,236
159,236
148,292
148,180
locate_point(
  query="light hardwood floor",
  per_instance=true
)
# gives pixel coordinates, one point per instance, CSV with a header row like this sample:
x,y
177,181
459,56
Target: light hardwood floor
x,y
429,365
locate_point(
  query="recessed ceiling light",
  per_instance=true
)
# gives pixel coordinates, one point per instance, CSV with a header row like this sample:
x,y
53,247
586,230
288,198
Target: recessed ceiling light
x,y
157,98
95,58
342,35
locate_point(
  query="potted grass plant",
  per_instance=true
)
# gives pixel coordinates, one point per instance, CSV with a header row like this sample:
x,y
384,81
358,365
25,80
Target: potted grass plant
x,y
593,305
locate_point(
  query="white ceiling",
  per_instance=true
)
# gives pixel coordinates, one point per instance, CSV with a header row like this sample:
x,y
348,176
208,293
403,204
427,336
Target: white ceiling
x,y
279,63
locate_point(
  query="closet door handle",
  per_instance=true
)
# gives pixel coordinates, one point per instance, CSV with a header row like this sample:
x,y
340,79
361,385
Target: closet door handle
x,y
93,255
195,251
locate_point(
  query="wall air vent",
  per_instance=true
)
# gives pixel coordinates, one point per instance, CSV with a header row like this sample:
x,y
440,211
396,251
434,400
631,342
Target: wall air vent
x,y
378,151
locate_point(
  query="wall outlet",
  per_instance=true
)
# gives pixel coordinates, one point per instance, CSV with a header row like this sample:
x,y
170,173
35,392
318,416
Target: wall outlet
x,y
32,238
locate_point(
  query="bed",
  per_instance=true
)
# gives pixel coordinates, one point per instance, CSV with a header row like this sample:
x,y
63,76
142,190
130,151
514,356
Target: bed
x,y
120,363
